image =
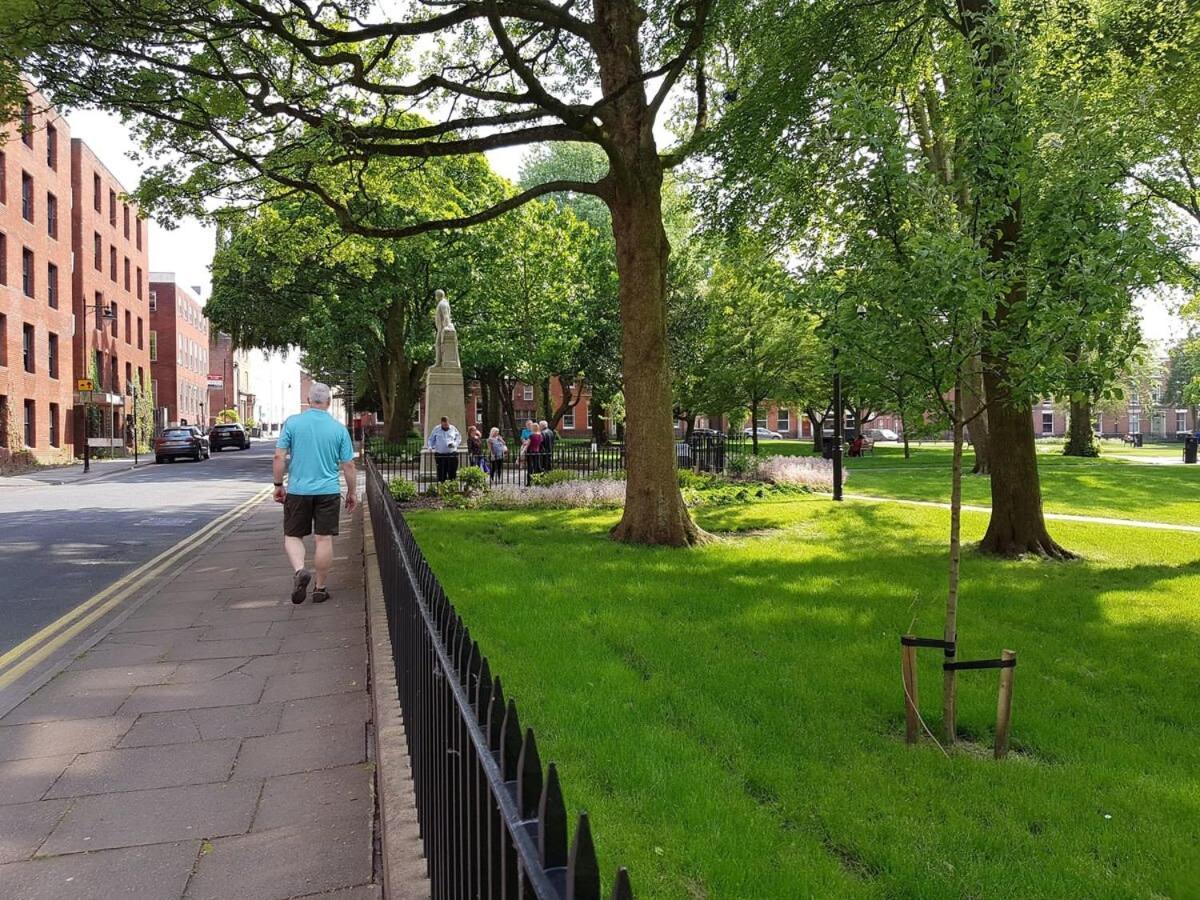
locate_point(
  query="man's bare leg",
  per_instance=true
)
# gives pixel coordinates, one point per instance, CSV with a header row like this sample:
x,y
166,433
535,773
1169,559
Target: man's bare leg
x,y
323,558
294,547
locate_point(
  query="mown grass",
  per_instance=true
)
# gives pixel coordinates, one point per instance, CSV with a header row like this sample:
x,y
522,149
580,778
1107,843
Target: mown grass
x,y
732,715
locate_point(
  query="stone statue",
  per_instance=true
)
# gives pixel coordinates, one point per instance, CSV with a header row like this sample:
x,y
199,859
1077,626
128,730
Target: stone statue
x,y
446,347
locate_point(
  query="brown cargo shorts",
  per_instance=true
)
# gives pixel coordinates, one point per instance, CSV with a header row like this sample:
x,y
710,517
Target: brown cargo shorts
x,y
304,514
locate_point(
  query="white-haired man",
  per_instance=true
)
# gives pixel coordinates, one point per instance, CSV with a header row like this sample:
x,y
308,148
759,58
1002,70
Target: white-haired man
x,y
319,445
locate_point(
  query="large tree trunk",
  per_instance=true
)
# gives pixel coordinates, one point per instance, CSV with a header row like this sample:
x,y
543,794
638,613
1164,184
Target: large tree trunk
x,y
1017,525
1081,439
654,510
974,402
818,429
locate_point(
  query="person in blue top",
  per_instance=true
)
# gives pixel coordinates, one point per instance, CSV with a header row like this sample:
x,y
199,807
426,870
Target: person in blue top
x,y
444,441
318,446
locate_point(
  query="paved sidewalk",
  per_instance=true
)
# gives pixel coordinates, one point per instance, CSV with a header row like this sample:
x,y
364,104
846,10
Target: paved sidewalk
x,y
214,745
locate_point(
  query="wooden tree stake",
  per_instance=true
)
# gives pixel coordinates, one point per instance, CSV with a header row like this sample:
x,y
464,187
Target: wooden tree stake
x,y
908,668
1004,705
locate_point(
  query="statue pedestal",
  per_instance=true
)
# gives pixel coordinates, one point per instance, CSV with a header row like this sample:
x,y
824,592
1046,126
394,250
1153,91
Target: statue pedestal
x,y
444,396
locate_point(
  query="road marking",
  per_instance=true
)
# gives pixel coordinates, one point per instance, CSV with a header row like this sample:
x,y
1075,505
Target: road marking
x,y
38,647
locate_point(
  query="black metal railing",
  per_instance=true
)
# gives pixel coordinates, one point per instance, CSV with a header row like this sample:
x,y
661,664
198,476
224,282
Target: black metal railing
x,y
707,453
493,823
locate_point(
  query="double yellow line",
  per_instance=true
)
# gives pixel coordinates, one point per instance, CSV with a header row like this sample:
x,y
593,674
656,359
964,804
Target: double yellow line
x,y
36,649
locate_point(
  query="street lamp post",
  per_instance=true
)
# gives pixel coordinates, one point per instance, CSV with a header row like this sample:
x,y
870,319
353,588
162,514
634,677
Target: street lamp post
x,y
132,390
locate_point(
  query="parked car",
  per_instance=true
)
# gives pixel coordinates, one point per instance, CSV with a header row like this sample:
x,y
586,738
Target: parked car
x,y
705,433
881,434
231,434
186,441
764,434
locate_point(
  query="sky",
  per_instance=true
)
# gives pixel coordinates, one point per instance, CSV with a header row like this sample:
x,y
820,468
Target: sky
x,y
187,248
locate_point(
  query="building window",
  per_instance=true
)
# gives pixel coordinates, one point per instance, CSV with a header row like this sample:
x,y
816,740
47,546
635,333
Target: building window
x,y
139,332
3,259
478,410
1135,422
153,346
128,327
3,178
52,285
783,420
1047,423
98,313
54,436
114,322
52,147
589,417
53,360
141,378
3,349
27,271
52,216
112,262
568,420
125,212
528,392
27,196
27,349
115,367
138,227
127,273
97,251
128,376
99,358
27,123
1180,421
96,191
112,207
153,301
30,425
139,282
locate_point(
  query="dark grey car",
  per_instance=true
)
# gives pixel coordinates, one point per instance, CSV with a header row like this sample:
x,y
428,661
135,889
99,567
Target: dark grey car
x,y
183,441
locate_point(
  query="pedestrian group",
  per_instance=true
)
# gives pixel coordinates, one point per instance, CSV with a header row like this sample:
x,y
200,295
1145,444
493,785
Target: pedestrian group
x,y
537,450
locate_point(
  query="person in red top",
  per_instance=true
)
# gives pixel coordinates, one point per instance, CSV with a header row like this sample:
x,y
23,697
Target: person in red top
x,y
532,448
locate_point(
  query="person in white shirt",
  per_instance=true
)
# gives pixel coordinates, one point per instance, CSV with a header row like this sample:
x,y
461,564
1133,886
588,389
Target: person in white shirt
x,y
444,441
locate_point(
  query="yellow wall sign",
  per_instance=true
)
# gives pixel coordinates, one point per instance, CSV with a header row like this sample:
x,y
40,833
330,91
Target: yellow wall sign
x,y
85,384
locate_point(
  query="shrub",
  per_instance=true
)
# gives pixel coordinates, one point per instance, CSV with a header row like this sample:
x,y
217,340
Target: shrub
x,y
741,465
402,490
451,494
554,476
577,493
474,480
806,471
695,480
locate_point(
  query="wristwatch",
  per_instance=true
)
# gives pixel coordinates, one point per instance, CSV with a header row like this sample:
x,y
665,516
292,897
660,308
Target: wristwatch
x,y
278,484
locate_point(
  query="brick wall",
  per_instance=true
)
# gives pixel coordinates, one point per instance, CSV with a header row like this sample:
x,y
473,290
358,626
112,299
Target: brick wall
x,y
182,342
35,283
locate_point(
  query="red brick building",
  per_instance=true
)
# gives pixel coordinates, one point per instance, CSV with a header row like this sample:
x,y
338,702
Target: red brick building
x,y
109,285
36,373
179,357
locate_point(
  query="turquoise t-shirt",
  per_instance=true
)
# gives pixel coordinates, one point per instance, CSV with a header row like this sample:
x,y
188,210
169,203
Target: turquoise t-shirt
x,y
319,443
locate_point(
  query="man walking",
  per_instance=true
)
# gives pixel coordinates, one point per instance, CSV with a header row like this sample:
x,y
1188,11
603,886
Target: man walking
x,y
319,445
444,441
549,439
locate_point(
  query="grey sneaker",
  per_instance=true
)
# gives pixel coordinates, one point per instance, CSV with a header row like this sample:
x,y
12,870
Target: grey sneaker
x,y
300,585
320,595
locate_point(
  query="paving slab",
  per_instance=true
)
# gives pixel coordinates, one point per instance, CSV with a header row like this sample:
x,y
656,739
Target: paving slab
x,y
108,653
23,827
158,728
145,768
322,796
323,640
300,751
49,705
159,872
362,892
134,818
223,649
321,712
23,780
76,680
234,689
285,862
55,738
315,684
208,669
237,721
236,630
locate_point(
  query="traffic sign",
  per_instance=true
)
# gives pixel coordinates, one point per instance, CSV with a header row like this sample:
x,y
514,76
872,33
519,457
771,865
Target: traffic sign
x,y
85,384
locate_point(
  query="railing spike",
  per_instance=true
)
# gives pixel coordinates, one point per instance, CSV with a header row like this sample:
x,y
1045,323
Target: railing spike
x,y
622,890
495,715
483,692
552,812
583,872
529,777
510,742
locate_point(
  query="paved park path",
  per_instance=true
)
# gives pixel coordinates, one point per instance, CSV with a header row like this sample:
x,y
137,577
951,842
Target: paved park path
x,y
1058,517
213,745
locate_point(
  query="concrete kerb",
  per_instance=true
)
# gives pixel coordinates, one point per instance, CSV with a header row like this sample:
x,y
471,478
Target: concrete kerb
x,y
404,868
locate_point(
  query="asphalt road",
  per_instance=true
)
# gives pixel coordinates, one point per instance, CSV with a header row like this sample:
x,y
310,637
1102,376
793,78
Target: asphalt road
x,y
61,543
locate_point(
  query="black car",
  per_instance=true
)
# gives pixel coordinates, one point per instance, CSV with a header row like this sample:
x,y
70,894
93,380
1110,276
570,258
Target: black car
x,y
181,441
229,435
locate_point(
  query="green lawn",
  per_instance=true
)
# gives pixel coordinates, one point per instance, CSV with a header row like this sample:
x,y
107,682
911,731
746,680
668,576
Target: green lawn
x,y
732,715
